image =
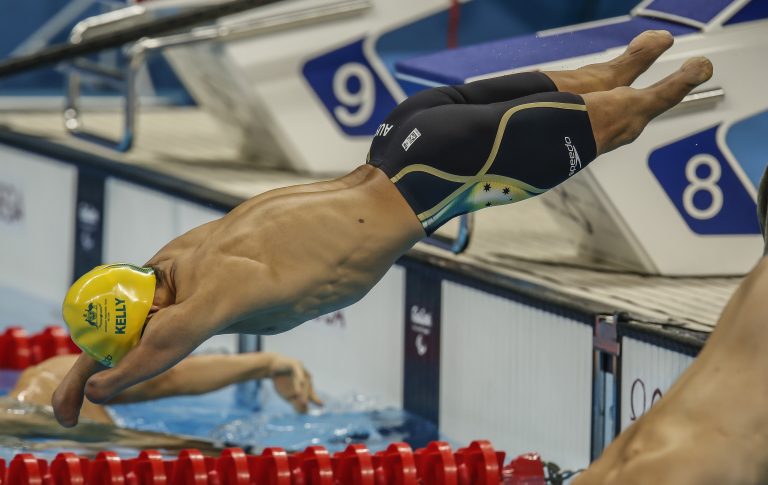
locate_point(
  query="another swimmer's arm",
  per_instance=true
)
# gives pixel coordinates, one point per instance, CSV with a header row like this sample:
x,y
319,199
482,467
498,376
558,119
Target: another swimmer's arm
x,y
198,374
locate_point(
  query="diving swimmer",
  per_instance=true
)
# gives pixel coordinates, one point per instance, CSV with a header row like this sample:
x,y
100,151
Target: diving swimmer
x,y
292,254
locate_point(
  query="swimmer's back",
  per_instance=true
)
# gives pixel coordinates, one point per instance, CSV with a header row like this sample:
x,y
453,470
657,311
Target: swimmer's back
x,y
359,224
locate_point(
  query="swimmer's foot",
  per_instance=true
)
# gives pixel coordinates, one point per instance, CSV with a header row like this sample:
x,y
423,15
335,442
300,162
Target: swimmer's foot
x,y
620,71
641,52
672,89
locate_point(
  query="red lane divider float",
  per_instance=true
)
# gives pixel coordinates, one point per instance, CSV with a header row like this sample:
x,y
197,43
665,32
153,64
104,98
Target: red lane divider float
x,y
396,466
354,466
526,469
477,464
19,350
272,467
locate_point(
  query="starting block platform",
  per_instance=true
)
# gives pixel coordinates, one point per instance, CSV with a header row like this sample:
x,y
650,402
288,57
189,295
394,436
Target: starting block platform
x,y
683,195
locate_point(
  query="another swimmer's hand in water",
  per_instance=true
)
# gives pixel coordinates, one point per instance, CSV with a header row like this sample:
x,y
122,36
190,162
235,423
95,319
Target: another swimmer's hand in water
x,y
197,374
294,383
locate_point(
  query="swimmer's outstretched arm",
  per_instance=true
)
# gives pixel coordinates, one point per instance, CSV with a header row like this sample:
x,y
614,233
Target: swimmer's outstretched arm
x,y
171,334
196,374
199,374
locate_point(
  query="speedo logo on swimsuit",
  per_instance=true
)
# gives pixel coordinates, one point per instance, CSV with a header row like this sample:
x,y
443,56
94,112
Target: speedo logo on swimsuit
x,y
573,155
383,129
411,139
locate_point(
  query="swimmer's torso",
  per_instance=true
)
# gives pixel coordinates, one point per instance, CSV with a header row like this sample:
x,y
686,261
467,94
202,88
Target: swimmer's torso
x,y
292,254
316,248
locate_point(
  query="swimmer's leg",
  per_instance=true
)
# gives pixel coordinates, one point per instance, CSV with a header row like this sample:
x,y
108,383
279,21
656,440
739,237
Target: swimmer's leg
x,y
641,52
619,116
456,159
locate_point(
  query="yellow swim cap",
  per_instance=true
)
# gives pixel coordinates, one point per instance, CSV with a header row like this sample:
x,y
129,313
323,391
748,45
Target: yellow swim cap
x,y
106,309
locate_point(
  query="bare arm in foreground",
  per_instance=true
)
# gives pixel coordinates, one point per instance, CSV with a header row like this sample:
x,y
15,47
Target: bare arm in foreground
x,y
711,427
289,255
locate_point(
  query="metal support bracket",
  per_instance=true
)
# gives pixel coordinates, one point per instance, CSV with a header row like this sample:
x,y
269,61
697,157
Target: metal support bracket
x,y
605,383
457,244
124,80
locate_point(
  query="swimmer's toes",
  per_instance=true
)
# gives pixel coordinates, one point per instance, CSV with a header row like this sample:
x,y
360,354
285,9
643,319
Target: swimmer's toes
x,y
641,52
697,70
651,43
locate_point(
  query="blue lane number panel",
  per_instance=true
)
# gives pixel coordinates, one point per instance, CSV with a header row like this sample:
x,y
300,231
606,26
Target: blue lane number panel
x,y
703,187
350,90
698,10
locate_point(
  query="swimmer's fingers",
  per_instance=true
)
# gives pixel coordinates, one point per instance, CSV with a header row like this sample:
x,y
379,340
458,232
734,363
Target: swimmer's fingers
x,y
311,394
168,338
67,400
293,383
299,388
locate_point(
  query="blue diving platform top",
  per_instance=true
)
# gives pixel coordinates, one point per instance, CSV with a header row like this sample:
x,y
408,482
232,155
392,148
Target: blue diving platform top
x,y
680,17
696,10
458,65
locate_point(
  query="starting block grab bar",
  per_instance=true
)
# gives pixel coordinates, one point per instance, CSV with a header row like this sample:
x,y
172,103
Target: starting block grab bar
x,y
124,80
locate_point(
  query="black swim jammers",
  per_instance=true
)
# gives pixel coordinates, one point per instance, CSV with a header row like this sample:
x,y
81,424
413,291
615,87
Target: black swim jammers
x,y
456,149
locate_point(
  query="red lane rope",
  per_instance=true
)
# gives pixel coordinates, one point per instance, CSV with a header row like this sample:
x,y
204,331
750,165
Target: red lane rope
x,y
436,464
19,350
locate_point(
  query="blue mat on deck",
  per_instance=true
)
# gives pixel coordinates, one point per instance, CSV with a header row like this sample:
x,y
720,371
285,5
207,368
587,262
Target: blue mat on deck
x,y
456,66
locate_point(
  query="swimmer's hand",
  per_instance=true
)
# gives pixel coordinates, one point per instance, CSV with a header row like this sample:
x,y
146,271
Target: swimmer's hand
x,y
171,335
293,382
68,397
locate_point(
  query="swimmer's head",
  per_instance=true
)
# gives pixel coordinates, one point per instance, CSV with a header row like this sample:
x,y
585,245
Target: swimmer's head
x,y
106,310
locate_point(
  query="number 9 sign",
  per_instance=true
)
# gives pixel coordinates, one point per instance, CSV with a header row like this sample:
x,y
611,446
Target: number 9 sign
x,y
363,101
347,86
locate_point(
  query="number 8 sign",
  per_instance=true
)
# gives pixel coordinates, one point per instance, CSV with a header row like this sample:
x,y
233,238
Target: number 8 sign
x,y
703,187
348,87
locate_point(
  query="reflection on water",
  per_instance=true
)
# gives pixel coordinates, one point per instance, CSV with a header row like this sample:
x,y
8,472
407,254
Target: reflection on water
x,y
218,417
335,430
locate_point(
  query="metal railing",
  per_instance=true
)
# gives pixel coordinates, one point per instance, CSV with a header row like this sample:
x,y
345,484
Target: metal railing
x,y
459,243
136,24
125,80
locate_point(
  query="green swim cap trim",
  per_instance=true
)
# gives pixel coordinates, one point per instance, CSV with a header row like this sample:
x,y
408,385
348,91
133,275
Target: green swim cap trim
x,y
140,269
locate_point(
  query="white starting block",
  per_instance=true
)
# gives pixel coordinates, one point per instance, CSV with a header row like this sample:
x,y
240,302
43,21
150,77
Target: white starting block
x,y
681,199
311,93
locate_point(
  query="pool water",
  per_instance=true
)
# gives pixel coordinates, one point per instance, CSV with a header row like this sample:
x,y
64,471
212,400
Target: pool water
x,y
266,421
